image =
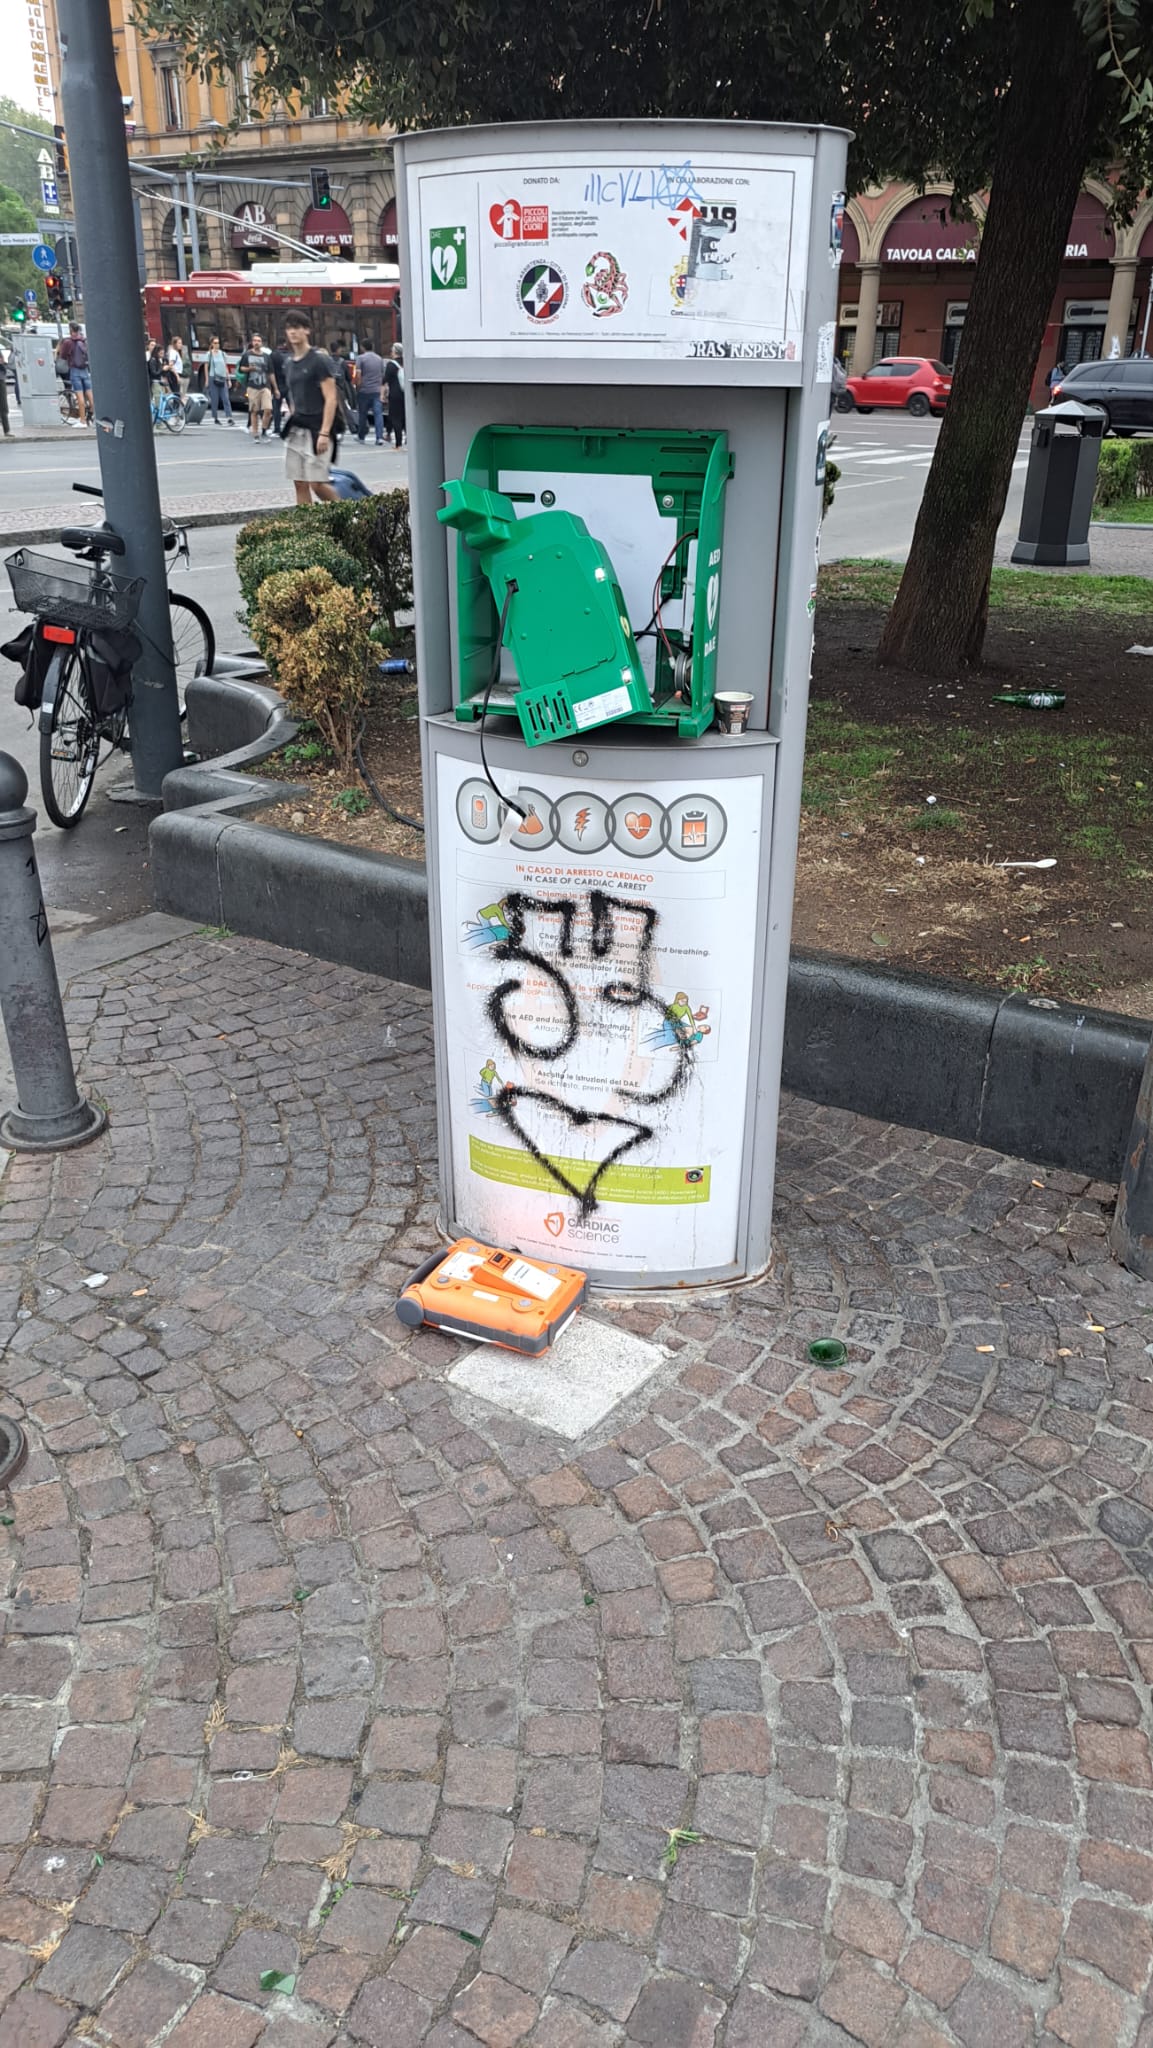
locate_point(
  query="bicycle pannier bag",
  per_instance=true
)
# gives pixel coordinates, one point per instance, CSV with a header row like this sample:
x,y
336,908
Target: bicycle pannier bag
x,y
33,653
110,659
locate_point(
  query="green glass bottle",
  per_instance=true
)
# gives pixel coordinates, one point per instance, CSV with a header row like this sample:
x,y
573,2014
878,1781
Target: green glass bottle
x,y
1033,700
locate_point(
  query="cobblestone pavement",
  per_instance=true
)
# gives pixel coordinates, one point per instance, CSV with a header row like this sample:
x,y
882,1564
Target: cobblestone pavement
x,y
311,1670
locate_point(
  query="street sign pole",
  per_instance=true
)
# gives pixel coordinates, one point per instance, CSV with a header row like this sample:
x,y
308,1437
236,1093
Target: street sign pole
x,y
102,195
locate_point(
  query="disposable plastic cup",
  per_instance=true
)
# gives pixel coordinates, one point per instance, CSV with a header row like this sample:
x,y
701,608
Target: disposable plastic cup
x,y
733,708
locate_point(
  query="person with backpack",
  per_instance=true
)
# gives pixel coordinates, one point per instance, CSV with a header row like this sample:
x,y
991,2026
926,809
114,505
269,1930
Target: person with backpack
x,y
74,351
256,368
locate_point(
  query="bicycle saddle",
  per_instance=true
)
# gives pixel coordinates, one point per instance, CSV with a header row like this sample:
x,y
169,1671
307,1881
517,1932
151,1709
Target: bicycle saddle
x,y
101,537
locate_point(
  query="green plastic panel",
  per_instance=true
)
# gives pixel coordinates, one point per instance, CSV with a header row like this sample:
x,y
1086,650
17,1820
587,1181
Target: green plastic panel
x,y
686,474
565,620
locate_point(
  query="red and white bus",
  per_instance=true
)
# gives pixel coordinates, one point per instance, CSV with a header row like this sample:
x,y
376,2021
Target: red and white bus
x,y
357,306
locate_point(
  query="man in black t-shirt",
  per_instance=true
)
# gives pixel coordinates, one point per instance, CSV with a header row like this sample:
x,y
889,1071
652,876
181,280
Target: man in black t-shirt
x,y
311,399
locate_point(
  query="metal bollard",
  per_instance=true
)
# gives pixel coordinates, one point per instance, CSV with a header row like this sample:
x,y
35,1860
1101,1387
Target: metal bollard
x,y
50,1115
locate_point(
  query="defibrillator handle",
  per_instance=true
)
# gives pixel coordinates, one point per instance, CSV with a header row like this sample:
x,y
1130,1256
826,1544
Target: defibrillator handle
x,y
408,1309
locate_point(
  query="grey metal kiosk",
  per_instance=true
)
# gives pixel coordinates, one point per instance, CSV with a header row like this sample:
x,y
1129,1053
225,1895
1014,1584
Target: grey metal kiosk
x,y
632,323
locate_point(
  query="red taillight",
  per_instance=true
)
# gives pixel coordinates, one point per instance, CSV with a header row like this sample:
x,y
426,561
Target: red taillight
x,y
1056,392
63,635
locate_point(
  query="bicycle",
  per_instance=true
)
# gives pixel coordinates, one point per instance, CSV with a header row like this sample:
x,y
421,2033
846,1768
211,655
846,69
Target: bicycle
x,y
78,657
193,634
72,406
168,410
74,664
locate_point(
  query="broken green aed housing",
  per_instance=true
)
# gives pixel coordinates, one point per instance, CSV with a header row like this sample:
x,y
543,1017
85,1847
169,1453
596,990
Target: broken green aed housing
x,y
565,623
646,507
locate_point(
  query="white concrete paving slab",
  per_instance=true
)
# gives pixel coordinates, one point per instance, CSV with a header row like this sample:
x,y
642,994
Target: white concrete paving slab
x,y
571,1388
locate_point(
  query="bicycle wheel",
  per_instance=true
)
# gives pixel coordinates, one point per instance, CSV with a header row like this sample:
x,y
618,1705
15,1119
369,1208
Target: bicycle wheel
x,y
69,753
174,418
193,641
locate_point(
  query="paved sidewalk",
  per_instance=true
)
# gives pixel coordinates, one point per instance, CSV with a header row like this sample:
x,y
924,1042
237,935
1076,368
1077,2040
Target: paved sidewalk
x,y
26,526
313,1668
1114,550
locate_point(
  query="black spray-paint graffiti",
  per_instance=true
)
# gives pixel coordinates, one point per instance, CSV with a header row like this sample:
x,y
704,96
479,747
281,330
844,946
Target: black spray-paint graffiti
x,y
623,995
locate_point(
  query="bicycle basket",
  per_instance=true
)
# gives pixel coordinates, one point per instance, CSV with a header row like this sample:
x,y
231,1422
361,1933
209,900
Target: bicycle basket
x,y
70,593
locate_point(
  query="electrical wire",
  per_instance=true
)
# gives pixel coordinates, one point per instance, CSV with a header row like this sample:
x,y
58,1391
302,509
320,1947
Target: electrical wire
x,y
512,805
366,775
660,602
399,817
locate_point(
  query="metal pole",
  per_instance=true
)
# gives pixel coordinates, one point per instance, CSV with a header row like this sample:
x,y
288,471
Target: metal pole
x,y
50,1115
194,231
106,234
178,238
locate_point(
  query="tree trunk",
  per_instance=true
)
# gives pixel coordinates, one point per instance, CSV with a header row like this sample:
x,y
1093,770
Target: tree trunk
x,y
938,618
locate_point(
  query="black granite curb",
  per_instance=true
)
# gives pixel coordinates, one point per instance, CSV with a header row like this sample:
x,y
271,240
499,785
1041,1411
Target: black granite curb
x,y
1024,1075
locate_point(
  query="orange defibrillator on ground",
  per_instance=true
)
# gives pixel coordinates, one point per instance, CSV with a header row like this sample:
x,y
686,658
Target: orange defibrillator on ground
x,y
473,1290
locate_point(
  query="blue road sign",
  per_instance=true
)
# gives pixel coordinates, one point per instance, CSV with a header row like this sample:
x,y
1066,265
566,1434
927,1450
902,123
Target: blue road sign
x,y
49,192
43,257
30,296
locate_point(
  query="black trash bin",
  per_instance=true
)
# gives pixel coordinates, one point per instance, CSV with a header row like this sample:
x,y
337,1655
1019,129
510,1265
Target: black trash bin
x,y
1059,485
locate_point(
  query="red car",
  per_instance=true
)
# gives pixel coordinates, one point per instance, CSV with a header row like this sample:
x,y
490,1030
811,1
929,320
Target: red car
x,y
914,383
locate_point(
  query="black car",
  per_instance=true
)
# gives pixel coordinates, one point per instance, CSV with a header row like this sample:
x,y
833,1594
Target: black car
x,y
1122,387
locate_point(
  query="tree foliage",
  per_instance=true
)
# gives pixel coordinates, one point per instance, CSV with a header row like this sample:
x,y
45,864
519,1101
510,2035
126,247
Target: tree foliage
x,y
921,88
19,169
17,270
927,91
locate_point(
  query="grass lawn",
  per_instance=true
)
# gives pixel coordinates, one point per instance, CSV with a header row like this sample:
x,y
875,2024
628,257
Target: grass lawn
x,y
1130,512
1012,590
916,792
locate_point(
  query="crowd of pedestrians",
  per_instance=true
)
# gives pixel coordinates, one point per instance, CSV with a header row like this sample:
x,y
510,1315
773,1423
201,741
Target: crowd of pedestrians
x,y
254,388
300,395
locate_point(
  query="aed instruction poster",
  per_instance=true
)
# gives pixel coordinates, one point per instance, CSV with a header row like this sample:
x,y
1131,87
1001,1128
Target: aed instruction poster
x,y
598,979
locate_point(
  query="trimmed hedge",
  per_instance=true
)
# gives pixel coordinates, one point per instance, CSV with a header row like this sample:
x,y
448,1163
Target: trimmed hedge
x,y
364,543
292,546
1125,471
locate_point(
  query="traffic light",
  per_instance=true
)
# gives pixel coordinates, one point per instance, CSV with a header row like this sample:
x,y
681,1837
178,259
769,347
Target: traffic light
x,y
19,315
61,152
321,190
